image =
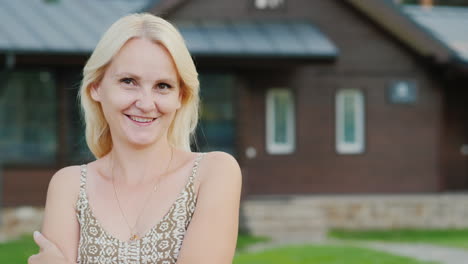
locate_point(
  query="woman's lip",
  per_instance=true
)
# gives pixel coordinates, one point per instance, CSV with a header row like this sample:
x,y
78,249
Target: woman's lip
x,y
140,116
141,123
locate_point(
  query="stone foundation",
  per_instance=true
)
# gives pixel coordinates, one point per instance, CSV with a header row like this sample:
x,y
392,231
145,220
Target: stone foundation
x,y
283,218
18,221
300,217
395,211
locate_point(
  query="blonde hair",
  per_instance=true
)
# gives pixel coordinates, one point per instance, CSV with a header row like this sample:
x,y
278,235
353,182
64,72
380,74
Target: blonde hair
x,y
148,26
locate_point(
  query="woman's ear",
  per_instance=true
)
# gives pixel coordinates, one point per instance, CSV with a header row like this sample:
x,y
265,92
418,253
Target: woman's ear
x,y
94,91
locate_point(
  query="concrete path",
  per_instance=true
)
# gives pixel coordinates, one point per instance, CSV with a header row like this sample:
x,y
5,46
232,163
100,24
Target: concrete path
x,y
443,255
424,252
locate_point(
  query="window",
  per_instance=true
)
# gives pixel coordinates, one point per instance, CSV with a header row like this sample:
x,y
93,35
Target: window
x,y
349,121
28,116
216,129
77,149
280,124
268,4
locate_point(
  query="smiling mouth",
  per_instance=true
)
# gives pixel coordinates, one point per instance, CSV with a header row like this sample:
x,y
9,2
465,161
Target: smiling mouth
x,y
141,119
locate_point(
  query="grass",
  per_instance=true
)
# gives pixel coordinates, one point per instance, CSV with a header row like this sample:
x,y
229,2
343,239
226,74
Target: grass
x,y
447,237
323,254
18,251
245,240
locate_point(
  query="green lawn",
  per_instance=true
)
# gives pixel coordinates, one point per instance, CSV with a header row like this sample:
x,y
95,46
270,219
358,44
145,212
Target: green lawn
x,y
447,237
244,240
18,251
322,254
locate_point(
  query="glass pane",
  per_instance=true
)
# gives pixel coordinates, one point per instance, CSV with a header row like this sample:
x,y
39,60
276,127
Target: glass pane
x,y
349,118
215,130
28,123
78,151
281,104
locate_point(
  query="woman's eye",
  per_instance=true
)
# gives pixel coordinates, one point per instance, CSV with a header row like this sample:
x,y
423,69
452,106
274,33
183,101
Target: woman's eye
x,y
128,81
164,86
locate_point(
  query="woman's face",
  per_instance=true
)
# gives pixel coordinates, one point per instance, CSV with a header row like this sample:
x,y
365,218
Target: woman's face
x,y
139,93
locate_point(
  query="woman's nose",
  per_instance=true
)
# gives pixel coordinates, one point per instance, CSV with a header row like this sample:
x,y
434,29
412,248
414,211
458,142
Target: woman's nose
x,y
145,102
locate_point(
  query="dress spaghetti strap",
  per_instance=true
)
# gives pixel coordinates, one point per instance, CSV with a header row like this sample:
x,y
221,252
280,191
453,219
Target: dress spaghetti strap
x,y
195,166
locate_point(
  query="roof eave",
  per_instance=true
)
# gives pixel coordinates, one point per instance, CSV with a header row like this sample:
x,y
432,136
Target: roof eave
x,y
165,8
45,52
323,57
388,16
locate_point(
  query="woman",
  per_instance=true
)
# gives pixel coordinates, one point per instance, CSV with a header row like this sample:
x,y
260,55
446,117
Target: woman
x,y
147,198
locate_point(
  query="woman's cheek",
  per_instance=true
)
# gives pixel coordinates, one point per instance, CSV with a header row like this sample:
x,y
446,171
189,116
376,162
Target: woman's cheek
x,y
123,99
168,105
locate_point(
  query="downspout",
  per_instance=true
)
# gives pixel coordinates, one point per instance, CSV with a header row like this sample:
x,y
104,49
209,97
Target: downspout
x,y
1,194
10,61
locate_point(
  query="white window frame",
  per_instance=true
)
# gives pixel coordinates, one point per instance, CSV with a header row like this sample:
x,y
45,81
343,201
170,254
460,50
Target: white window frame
x,y
273,147
268,4
358,146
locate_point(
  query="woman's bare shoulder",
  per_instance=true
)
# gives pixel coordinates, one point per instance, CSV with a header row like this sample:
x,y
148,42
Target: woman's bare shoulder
x,y
66,174
219,156
66,182
219,164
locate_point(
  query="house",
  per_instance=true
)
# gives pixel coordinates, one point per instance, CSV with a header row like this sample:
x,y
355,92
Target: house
x,y
341,113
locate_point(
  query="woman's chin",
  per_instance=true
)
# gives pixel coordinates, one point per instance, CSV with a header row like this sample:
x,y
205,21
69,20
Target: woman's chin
x,y
142,142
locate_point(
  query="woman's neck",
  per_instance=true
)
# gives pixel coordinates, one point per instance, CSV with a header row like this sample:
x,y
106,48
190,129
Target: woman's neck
x,y
133,167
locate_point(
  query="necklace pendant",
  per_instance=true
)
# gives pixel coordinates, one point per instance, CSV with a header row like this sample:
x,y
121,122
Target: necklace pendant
x,y
133,237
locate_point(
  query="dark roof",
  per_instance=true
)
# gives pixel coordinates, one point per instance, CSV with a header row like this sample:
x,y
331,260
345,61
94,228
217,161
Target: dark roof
x,y
449,25
256,38
75,26
68,26
437,33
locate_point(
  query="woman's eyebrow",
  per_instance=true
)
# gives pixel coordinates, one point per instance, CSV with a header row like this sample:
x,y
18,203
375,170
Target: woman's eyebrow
x,y
136,77
127,74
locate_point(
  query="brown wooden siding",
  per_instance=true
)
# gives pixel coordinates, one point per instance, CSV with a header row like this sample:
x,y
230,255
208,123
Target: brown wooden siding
x,y
402,141
409,148
25,185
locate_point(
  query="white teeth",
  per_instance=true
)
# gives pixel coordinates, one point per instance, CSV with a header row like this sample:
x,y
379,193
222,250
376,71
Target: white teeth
x,y
141,119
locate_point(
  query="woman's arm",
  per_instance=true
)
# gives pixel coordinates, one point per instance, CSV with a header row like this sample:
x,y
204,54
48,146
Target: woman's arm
x,y
212,233
60,225
48,252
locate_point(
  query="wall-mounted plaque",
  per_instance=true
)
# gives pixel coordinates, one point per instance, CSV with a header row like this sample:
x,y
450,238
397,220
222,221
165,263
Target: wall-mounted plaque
x,y
402,92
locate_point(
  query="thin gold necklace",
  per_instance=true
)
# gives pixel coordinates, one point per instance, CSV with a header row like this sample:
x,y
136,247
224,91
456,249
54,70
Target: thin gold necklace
x,y
133,234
